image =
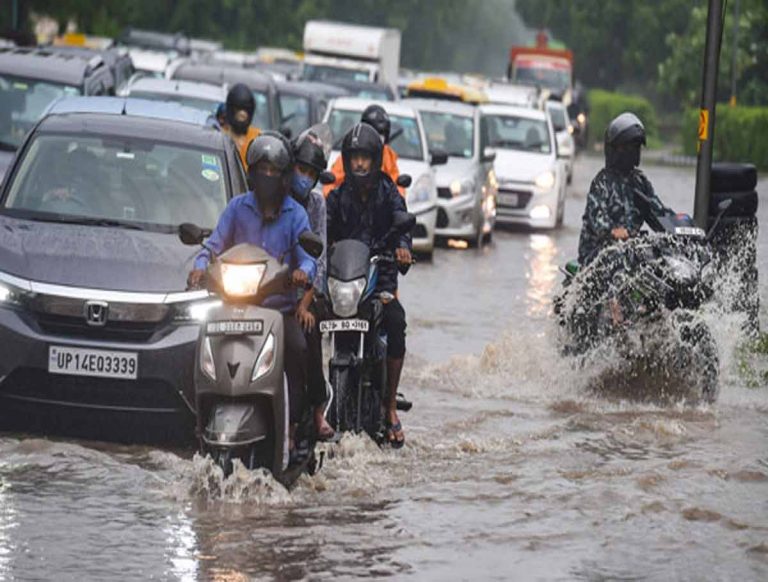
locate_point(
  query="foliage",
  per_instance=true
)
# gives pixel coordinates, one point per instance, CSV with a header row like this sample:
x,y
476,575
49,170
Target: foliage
x,y
604,106
741,134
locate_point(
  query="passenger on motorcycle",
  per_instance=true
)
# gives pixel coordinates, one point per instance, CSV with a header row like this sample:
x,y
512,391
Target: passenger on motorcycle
x,y
615,204
376,117
310,162
363,208
239,110
268,217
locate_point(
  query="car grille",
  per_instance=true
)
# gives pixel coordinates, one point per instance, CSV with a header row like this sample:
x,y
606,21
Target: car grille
x,y
444,193
523,198
442,218
77,327
419,231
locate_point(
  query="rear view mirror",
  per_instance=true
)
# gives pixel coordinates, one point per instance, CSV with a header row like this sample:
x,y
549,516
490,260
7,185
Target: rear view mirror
x,y
311,243
489,154
725,204
191,234
438,157
327,178
404,180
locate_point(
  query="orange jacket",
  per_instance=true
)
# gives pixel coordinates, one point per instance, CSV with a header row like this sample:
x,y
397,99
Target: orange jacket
x,y
242,143
388,166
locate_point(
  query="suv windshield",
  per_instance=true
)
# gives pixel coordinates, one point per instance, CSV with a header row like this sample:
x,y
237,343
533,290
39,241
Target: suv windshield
x,y
405,138
452,133
22,104
518,133
127,181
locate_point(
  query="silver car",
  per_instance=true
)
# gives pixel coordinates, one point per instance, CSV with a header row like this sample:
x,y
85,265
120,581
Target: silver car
x,y
201,96
466,185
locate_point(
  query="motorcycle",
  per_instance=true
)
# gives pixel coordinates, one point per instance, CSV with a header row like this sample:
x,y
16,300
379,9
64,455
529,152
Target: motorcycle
x,y
352,314
659,282
241,390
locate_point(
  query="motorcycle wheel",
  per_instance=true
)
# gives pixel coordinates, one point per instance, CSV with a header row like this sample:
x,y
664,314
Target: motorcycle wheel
x,y
342,415
702,355
223,458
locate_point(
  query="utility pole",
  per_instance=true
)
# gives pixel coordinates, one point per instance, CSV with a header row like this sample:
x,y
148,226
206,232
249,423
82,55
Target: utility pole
x,y
735,51
707,111
15,24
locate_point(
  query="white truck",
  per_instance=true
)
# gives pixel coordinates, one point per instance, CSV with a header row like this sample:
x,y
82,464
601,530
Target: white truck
x,y
335,51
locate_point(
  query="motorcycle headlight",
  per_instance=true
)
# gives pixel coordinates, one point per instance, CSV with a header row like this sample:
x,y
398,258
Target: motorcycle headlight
x,y
420,192
682,271
266,359
545,181
459,188
242,280
195,310
345,295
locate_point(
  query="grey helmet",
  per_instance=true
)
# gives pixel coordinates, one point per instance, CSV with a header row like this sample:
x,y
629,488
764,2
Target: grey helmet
x,y
626,128
274,148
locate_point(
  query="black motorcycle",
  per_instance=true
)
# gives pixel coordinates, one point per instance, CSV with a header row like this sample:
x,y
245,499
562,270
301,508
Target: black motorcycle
x,y
352,314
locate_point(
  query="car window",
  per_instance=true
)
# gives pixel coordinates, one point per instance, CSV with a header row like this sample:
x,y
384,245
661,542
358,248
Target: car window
x,y
340,122
200,104
453,133
330,73
261,117
22,103
508,132
123,179
557,114
295,110
405,138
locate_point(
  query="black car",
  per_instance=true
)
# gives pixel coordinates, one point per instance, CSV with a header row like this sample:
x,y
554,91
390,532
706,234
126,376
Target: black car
x,y
32,79
267,114
304,103
95,321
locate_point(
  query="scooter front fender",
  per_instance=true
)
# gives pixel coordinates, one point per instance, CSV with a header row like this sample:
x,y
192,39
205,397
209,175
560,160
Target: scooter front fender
x,y
236,424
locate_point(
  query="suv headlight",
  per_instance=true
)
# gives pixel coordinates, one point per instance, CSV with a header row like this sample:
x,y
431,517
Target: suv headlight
x,y
420,192
192,311
12,296
345,295
242,280
545,181
462,188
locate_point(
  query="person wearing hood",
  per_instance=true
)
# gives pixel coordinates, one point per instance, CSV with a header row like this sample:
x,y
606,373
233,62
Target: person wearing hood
x,y
239,110
621,198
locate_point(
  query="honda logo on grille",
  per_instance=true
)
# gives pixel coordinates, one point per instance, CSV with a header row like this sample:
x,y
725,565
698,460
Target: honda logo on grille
x,y
96,313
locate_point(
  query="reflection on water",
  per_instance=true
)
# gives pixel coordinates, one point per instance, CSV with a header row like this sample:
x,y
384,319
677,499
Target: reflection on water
x,y
541,274
8,522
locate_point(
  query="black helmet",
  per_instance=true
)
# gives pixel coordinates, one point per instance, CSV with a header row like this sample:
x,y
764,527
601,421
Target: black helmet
x,y
375,116
624,129
362,138
240,97
308,149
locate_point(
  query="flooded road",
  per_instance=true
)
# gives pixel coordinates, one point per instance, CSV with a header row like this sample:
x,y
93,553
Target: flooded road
x,y
512,470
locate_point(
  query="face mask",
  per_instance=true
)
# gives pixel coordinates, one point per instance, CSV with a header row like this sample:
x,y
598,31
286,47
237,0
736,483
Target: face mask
x,y
301,186
239,127
625,160
267,189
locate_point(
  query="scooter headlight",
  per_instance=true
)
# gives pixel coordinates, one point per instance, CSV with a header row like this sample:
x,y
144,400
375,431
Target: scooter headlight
x,y
242,280
345,295
266,359
206,360
682,271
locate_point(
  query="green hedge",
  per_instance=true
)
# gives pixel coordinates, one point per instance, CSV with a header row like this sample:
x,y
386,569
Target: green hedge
x,y
604,106
741,134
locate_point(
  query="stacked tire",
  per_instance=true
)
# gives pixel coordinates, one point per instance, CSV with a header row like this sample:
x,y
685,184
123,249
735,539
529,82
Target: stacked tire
x,y
735,241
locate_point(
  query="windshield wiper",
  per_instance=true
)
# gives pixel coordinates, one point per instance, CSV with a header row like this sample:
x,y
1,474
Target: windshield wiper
x,y
7,147
85,220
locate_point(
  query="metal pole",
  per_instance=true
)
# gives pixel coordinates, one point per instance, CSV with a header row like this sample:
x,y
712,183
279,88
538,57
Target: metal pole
x,y
15,15
707,111
735,50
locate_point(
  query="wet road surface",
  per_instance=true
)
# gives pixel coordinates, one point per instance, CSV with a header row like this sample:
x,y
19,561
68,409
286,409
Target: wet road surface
x,y
512,469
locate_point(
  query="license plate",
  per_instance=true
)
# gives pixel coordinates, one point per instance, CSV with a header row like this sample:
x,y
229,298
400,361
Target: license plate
x,y
343,325
88,362
244,327
689,231
508,199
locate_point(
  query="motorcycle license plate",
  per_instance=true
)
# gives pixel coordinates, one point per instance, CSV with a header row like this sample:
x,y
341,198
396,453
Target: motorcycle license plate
x,y
242,327
88,362
343,325
689,231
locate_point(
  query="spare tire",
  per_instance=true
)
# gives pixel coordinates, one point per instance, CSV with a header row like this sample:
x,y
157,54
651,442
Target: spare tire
x,y
744,203
732,177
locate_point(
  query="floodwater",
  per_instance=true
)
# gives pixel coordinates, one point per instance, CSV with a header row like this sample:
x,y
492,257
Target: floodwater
x,y
512,469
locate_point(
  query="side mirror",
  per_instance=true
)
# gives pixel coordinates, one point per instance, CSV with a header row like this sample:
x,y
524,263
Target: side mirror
x,y
311,243
404,180
725,204
489,154
191,234
326,178
438,157
403,222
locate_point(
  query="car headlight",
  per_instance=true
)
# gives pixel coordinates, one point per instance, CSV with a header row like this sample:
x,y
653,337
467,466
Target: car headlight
x,y
242,280
545,181
345,295
459,188
265,360
420,192
12,296
195,310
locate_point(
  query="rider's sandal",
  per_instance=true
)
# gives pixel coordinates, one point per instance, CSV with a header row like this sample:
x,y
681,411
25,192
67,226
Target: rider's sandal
x,y
392,430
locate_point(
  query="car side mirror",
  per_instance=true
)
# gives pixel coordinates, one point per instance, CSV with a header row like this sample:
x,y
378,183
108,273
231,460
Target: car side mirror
x,y
438,157
311,243
327,178
725,204
404,180
191,234
489,154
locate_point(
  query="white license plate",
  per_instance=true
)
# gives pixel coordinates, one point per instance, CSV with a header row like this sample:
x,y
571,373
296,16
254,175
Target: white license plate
x,y
88,362
243,327
343,325
689,231
508,199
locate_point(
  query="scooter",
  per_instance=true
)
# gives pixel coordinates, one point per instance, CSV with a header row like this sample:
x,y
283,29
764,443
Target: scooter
x,y
241,390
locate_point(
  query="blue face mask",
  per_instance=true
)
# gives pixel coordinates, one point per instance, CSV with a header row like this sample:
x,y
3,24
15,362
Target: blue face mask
x,y
301,186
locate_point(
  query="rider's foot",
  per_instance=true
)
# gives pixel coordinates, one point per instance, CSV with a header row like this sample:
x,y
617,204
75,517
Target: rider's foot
x,y
395,434
324,430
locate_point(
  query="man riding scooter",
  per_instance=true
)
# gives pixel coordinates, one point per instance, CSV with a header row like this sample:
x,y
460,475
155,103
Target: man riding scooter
x,y
363,208
270,218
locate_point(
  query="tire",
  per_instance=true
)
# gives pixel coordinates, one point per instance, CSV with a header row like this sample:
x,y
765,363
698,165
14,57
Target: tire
x,y
342,415
733,177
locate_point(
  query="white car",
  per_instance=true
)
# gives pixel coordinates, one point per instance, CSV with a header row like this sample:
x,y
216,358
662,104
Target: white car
x,y
409,141
566,146
201,96
531,176
504,93
466,184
